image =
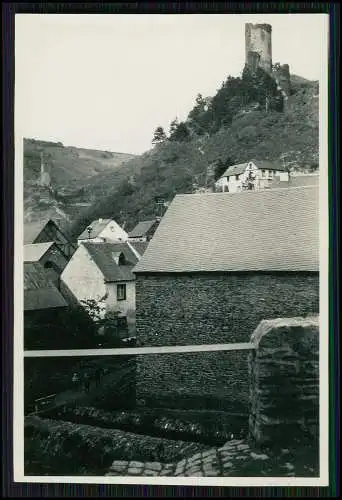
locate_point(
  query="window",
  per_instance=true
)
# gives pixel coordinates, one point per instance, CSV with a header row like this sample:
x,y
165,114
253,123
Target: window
x,y
237,177
271,173
121,292
263,172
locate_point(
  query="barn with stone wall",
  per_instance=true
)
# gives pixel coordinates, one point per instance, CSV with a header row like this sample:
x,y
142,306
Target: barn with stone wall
x,y
217,265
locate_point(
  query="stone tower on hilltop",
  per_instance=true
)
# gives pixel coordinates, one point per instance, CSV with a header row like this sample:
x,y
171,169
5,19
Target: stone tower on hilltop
x,y
258,39
258,42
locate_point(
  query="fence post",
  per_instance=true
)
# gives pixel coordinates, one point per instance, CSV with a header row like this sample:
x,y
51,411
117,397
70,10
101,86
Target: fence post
x,y
284,381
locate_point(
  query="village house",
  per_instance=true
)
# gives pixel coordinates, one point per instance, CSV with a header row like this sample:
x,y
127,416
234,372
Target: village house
x,y
46,232
217,265
253,175
43,305
102,272
103,230
50,256
296,180
143,231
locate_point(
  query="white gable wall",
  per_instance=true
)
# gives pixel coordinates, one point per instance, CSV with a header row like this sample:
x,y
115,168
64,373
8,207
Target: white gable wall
x,y
83,278
113,232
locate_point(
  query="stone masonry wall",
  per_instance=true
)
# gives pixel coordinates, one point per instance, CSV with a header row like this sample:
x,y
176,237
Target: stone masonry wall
x,y
205,380
284,381
207,309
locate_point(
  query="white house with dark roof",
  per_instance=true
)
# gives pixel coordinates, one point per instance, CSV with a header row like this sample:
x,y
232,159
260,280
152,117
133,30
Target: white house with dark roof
x,y
102,272
253,175
217,265
103,230
143,231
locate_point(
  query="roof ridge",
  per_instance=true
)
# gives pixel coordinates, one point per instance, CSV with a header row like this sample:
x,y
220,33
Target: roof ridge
x,y
254,191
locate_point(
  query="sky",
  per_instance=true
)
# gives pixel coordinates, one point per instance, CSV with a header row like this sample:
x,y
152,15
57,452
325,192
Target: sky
x,y
107,81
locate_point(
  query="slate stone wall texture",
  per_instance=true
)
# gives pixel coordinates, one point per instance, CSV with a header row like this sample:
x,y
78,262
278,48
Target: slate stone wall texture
x,y
207,309
284,375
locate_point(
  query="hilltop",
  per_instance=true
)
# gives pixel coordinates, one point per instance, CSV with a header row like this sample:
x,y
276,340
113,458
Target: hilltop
x,y
237,132
73,172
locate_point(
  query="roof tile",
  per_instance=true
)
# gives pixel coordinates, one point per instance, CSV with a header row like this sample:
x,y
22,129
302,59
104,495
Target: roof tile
x,y
274,230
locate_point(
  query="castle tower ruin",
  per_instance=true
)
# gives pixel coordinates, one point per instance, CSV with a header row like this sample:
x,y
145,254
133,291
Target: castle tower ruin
x,y
45,180
258,41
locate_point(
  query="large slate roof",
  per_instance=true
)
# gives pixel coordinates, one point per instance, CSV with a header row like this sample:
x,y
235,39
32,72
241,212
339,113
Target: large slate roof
x,y
273,230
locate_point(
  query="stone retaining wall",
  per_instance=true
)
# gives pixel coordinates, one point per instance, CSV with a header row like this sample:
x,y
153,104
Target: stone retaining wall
x,y
207,380
284,380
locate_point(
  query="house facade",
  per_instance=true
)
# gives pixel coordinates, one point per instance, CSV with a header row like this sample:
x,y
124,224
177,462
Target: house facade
x,y
46,232
143,231
101,231
50,256
253,175
102,272
217,265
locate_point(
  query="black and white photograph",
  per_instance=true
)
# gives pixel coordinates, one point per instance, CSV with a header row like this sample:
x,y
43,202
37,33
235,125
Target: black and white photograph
x,y
171,270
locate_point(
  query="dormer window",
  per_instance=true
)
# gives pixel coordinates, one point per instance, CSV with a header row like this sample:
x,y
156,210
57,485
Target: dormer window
x,y
119,258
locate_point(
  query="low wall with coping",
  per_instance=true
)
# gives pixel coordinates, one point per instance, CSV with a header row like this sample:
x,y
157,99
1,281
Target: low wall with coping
x,y
284,380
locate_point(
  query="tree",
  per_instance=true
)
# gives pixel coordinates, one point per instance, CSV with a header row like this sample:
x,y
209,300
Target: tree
x,y
108,325
159,135
221,166
173,126
180,133
199,100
